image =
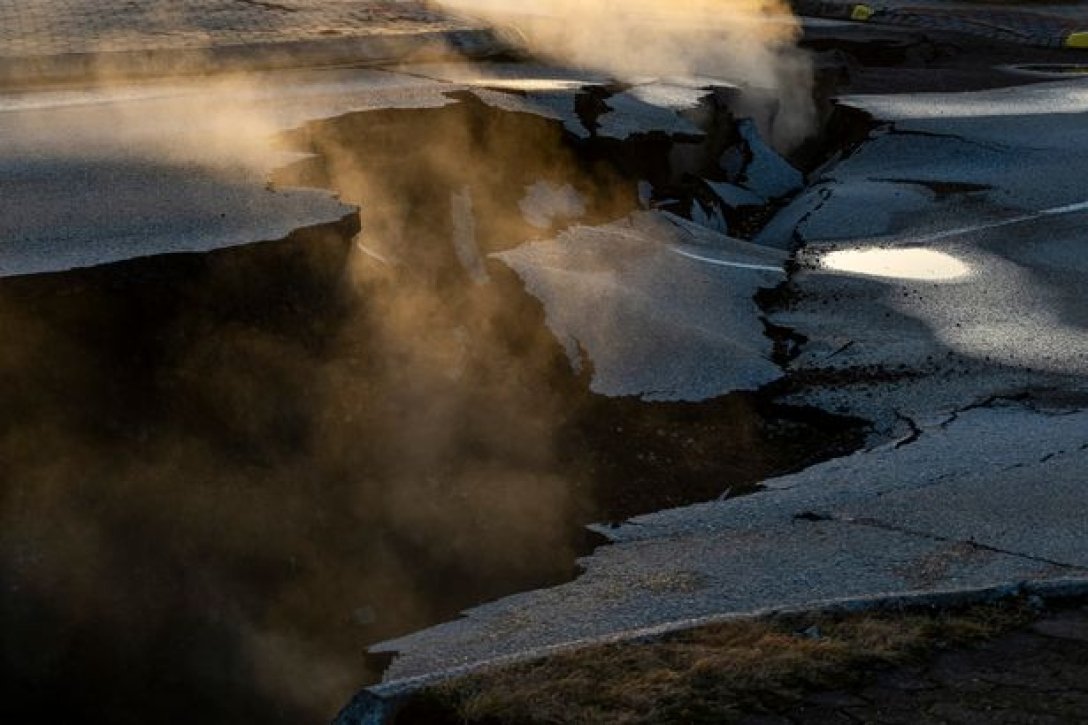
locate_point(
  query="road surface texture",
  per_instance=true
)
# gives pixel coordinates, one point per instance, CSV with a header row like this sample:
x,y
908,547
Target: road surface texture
x,y
1061,25
51,27
64,41
189,163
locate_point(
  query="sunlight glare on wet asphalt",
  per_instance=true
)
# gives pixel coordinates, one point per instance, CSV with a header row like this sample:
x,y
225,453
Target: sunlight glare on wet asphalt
x,y
918,264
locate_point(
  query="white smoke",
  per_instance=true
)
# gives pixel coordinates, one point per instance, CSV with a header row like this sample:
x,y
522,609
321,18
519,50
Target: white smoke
x,y
751,43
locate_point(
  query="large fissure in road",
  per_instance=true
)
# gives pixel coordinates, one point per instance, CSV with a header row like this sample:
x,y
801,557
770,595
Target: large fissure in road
x,y
226,474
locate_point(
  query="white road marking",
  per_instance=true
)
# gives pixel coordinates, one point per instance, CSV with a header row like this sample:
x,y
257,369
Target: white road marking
x,y
1054,211
727,263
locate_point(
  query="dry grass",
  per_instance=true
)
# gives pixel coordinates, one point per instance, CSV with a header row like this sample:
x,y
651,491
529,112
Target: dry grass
x,y
714,674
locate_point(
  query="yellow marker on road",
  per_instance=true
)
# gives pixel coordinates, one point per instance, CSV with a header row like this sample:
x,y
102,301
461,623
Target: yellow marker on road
x,y
1077,40
861,13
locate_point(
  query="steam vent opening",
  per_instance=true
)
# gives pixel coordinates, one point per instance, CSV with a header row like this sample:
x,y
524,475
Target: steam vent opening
x,y
229,473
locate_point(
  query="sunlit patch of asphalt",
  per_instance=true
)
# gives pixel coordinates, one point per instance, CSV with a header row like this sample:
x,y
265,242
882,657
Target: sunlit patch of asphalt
x,y
918,263
904,263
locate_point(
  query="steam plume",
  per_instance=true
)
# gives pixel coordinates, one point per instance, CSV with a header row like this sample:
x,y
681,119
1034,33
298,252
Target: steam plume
x,y
751,43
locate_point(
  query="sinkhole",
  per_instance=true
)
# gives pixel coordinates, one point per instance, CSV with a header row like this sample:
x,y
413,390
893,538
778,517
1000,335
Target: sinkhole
x,y
227,474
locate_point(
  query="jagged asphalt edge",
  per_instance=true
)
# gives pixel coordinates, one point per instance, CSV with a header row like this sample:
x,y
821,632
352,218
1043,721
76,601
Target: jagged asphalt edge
x,y
376,705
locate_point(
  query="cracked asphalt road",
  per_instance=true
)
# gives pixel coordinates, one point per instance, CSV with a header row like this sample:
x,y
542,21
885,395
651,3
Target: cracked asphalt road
x,y
975,383
975,474
1013,218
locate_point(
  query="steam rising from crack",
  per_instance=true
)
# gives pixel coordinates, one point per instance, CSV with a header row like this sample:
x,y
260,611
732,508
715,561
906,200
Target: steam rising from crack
x,y
751,43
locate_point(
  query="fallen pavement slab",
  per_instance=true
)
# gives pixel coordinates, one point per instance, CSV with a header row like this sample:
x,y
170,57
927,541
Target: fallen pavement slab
x,y
661,308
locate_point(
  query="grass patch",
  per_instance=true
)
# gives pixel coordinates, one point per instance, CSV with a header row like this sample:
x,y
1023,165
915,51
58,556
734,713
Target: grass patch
x,y
714,674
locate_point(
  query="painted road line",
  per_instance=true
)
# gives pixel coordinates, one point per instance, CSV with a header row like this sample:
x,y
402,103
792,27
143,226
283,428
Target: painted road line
x,y
1067,209
861,13
1077,40
726,262
1053,211
960,231
1021,26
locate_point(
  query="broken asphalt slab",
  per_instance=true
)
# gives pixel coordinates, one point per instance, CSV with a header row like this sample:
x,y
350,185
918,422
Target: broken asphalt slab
x,y
662,308
85,171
